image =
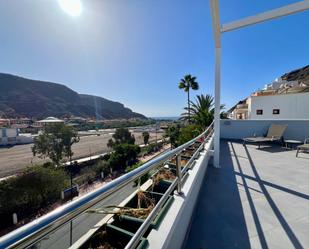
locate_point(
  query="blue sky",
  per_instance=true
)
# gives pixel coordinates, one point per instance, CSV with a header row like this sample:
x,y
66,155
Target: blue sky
x,y
135,51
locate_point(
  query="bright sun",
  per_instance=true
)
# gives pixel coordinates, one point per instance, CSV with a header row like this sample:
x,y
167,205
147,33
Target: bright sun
x,y
72,7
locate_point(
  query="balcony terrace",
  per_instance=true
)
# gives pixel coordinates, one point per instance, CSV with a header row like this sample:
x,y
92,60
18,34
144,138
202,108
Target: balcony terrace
x,y
250,199
257,199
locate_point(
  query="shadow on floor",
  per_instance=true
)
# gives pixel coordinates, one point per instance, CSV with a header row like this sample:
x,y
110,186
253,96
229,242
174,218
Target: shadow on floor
x,y
273,149
218,221
273,185
250,201
286,227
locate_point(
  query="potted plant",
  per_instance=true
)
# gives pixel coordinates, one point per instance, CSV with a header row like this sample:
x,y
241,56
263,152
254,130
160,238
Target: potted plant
x,y
131,216
183,162
111,237
138,209
162,179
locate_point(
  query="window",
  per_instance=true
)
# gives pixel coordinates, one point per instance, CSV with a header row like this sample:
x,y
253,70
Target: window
x,y
276,111
259,112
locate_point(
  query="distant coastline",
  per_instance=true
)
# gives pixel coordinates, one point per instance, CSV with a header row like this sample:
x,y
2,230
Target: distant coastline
x,y
165,118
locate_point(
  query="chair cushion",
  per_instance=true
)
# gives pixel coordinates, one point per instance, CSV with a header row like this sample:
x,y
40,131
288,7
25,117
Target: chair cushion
x,y
276,131
304,147
256,139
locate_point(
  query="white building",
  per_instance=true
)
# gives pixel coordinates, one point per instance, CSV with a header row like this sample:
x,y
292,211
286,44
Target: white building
x,y
10,136
240,110
284,98
280,106
280,83
48,120
273,106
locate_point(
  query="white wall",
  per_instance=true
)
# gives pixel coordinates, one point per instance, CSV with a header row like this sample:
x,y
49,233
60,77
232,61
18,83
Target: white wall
x,y
292,106
24,139
8,132
11,132
9,136
238,129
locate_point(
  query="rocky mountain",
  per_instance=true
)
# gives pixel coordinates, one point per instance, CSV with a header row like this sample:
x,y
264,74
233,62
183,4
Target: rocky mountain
x,y
21,97
301,74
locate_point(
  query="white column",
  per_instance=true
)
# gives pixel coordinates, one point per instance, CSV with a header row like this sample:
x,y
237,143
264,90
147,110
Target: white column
x,y
217,107
214,7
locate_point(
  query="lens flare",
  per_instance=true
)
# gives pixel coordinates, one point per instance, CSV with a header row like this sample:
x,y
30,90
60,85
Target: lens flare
x,y
71,7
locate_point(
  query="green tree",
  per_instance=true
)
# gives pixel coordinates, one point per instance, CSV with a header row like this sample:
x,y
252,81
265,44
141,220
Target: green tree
x,y
123,156
146,137
187,83
55,142
173,132
187,133
150,148
102,166
202,111
121,136
34,188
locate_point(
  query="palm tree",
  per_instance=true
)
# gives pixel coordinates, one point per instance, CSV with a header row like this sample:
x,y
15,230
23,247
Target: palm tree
x,y
202,111
186,83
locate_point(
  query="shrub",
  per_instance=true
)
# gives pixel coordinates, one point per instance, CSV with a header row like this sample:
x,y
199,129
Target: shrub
x,y
36,187
123,156
187,133
150,148
87,174
106,157
102,166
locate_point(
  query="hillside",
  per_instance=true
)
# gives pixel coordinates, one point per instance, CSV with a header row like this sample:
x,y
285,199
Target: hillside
x,y
21,97
301,74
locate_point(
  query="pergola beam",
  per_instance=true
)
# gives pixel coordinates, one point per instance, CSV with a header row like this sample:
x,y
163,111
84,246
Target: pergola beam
x,y
266,16
218,29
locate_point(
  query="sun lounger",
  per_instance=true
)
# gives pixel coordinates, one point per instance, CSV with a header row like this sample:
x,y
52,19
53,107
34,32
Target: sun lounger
x,y
275,133
303,147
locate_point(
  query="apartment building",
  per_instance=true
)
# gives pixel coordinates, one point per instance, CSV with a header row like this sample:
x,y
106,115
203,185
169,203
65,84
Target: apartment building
x,y
280,99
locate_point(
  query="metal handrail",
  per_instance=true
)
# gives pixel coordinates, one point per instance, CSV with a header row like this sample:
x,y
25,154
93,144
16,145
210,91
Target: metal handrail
x,y
35,230
177,182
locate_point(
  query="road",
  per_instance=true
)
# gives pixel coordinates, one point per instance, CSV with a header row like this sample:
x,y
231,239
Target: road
x,y
60,239
16,158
